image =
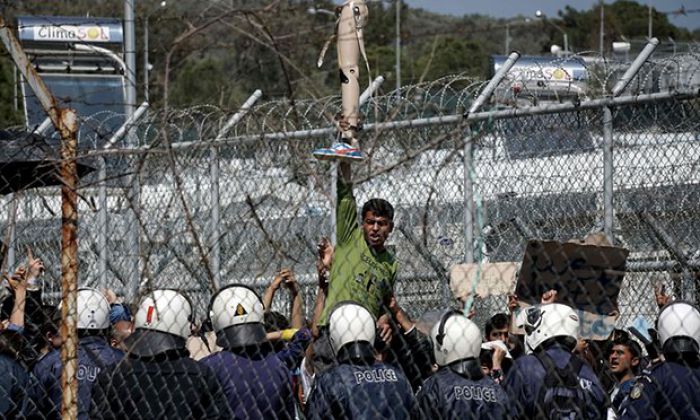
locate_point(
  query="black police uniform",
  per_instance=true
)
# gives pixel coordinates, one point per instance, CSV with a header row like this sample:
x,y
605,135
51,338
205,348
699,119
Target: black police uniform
x,y
351,391
168,385
668,390
449,395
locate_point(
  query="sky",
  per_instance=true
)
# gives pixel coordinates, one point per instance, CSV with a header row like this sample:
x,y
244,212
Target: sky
x,y
508,8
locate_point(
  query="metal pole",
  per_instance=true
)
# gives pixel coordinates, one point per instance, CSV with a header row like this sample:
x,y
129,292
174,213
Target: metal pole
x,y
215,245
608,188
12,236
608,168
635,67
145,58
507,40
650,31
134,230
66,123
468,198
469,156
102,223
129,56
214,177
602,28
128,124
493,83
566,44
398,47
15,93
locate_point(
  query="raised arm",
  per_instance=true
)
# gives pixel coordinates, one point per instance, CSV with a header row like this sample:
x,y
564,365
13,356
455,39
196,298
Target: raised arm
x,y
270,292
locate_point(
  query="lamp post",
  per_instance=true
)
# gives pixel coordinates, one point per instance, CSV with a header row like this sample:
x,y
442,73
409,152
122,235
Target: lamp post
x,y
539,14
146,65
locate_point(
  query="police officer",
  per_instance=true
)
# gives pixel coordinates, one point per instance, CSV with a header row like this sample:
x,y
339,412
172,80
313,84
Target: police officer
x,y
358,387
550,381
158,379
94,353
669,389
459,388
257,382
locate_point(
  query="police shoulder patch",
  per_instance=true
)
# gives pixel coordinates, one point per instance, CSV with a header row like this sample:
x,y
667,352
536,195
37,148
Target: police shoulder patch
x,y
636,391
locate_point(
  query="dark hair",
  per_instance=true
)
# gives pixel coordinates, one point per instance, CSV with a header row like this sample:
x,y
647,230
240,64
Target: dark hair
x,y
379,207
11,344
499,321
275,321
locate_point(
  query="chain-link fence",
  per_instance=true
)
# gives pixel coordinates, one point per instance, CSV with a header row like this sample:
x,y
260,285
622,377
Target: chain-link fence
x,y
197,199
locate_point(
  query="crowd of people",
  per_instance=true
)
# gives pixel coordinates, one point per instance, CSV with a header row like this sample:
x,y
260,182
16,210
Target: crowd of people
x,y
359,356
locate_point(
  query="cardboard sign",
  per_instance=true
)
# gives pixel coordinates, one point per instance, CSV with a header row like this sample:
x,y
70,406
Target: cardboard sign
x,y
492,278
586,277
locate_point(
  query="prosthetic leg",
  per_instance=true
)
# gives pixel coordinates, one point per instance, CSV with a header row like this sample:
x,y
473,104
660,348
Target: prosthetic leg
x,y
352,17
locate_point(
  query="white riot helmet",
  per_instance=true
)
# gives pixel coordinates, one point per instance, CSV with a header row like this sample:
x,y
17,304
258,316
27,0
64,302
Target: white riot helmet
x,y
93,310
455,337
237,314
544,322
163,322
352,330
679,328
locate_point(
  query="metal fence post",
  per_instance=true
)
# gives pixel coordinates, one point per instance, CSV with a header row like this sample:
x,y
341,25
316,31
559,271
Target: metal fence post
x,y
608,188
608,167
469,155
102,223
214,173
468,198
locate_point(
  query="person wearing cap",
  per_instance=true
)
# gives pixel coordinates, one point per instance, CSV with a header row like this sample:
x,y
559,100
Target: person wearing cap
x,y
94,353
359,386
256,380
550,381
669,389
158,379
459,389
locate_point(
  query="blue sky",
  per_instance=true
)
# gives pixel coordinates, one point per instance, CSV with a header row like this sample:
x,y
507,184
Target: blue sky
x,y
508,8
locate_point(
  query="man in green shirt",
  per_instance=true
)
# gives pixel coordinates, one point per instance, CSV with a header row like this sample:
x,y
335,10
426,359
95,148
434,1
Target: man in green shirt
x,y
363,270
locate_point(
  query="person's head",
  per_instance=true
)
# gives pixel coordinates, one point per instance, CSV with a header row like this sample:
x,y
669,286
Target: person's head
x,y
679,330
352,332
497,327
455,338
236,313
162,323
120,331
624,357
11,344
377,222
93,312
549,324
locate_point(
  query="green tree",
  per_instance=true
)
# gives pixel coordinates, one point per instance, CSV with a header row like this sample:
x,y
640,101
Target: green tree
x,y
450,56
8,115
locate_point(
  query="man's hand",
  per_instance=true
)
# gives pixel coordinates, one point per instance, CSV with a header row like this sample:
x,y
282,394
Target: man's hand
x,y
277,281
550,296
512,303
18,281
497,356
324,261
35,265
662,298
384,329
289,280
